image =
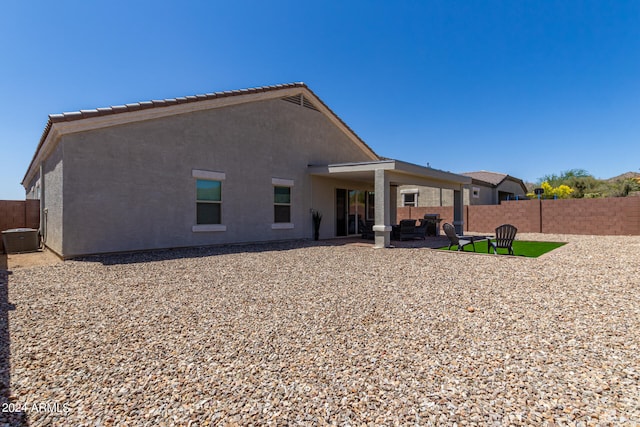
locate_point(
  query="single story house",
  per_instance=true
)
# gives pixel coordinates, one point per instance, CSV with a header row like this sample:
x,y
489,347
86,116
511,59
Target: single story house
x,y
487,188
247,165
491,188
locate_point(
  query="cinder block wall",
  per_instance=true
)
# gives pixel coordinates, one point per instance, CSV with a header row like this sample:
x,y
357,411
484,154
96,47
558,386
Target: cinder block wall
x,y
446,213
18,214
524,214
610,216
601,217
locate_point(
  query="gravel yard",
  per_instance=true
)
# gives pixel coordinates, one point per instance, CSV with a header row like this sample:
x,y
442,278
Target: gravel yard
x,y
316,334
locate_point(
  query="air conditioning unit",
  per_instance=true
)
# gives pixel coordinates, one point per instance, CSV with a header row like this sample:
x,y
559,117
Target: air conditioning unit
x,y
19,240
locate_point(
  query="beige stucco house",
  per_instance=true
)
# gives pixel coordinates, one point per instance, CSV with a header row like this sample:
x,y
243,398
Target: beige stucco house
x,y
491,188
486,188
229,167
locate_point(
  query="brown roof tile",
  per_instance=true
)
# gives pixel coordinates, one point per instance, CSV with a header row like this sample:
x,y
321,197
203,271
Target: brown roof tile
x,y
493,178
117,109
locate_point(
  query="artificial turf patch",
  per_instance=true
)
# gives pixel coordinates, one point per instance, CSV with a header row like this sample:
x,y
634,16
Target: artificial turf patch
x,y
525,248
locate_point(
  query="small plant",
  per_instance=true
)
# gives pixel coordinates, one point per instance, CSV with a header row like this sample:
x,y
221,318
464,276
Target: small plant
x,y
317,219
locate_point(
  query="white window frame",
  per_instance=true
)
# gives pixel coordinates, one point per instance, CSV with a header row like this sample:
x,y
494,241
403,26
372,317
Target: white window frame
x,y
200,174
414,192
280,182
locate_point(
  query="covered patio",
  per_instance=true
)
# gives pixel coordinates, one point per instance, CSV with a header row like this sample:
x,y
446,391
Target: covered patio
x,y
384,177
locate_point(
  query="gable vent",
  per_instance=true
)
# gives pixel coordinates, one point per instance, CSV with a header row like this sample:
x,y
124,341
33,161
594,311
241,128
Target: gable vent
x,y
300,100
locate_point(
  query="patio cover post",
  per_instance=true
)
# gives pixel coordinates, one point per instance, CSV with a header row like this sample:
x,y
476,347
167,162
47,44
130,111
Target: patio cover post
x,y
393,204
382,227
458,212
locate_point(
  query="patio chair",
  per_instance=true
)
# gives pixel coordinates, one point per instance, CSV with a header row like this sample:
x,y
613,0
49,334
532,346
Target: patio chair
x,y
408,230
421,230
454,239
505,235
366,228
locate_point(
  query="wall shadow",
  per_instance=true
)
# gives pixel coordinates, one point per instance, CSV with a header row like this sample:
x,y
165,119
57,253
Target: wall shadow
x,y
207,251
204,251
9,414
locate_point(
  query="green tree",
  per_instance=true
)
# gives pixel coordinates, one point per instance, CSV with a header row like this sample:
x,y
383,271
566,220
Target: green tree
x,y
622,187
581,185
572,174
561,192
585,185
581,181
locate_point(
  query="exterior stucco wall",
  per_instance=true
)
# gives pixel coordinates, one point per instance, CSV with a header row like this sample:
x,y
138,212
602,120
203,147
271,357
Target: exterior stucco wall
x,y
486,195
431,196
31,191
427,196
509,186
490,195
130,187
324,200
52,200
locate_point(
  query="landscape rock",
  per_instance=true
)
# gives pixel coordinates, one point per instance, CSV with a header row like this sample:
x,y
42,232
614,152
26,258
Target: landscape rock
x,y
327,333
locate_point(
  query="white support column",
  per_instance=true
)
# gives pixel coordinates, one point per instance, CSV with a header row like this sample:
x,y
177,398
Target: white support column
x,y
382,227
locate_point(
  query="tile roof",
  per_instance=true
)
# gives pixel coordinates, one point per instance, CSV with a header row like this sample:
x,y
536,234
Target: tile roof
x,y
136,106
493,178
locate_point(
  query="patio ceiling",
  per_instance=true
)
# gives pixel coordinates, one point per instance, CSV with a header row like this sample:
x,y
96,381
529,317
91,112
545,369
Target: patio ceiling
x,y
399,172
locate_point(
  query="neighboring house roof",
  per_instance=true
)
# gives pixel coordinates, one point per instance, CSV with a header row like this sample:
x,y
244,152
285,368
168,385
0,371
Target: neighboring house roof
x,y
493,179
290,91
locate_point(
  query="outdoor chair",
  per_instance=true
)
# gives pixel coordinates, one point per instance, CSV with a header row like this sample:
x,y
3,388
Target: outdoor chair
x,y
421,230
454,239
408,229
505,235
366,228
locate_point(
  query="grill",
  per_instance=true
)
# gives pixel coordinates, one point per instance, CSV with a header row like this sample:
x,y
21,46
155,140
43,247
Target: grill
x,y
433,224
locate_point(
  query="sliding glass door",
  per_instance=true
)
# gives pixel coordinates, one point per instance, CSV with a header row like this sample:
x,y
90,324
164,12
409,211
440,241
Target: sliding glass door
x,y
353,208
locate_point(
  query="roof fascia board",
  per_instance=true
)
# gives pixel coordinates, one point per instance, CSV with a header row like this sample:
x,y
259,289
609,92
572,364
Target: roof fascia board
x,y
48,146
432,173
399,178
361,167
344,168
400,171
484,183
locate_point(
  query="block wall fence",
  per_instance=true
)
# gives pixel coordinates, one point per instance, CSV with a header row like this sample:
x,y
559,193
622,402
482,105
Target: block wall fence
x,y
609,216
18,214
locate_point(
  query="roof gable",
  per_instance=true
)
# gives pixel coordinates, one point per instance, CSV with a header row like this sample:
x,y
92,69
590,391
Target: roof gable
x,y
494,179
84,120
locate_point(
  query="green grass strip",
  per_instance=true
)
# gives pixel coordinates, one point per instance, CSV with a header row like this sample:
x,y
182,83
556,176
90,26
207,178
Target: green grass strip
x,y
525,248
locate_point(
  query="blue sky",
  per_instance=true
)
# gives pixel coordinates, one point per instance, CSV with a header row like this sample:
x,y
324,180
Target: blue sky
x,y
527,88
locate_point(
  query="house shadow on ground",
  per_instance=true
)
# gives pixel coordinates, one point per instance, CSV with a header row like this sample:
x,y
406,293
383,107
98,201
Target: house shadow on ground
x,y
10,415
207,251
